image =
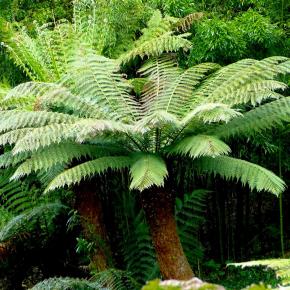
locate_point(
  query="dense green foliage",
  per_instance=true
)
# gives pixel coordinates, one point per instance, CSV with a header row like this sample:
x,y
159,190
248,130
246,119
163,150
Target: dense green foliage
x,y
132,95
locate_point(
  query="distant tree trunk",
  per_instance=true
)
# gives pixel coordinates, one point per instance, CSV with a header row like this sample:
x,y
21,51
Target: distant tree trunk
x,y
159,210
90,208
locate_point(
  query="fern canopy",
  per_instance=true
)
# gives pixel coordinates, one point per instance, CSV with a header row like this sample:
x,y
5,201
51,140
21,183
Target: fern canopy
x,y
178,112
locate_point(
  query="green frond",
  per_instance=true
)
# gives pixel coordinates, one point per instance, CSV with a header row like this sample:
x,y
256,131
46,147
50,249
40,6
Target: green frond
x,y
262,118
239,82
44,136
211,113
89,128
249,173
255,92
16,197
61,97
13,136
158,37
161,72
7,159
201,145
96,79
87,170
168,42
28,90
147,170
158,119
138,250
11,120
280,266
77,132
45,56
17,97
176,97
52,156
27,56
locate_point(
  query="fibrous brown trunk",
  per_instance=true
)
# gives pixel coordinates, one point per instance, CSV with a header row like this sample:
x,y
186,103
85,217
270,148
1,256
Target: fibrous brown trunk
x,y
89,207
158,206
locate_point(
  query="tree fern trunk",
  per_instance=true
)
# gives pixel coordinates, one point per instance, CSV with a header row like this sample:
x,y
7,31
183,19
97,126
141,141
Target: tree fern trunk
x,y
89,207
159,210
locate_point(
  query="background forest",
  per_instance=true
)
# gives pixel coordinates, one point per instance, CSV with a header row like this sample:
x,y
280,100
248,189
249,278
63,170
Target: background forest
x,y
75,203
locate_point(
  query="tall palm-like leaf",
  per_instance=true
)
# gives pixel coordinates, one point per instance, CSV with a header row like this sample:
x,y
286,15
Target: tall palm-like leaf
x,y
188,113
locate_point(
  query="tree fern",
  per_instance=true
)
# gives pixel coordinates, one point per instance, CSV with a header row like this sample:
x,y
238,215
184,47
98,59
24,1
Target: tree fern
x,y
146,128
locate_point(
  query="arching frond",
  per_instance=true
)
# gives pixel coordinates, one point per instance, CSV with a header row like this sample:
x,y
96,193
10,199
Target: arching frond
x,y
239,82
61,97
161,72
53,155
168,42
88,169
158,119
211,113
147,170
16,197
27,90
257,120
7,159
95,78
13,136
44,136
249,173
178,94
11,120
159,37
77,132
200,145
